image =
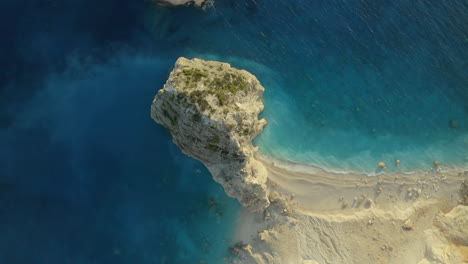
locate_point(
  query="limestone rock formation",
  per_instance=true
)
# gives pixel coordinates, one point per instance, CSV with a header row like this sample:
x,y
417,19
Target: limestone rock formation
x,y
211,109
447,241
198,3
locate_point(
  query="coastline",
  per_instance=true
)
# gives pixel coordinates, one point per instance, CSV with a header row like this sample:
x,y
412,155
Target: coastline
x,y
295,179
301,214
297,166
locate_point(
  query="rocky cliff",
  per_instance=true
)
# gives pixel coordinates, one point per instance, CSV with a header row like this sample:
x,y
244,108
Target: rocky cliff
x,y
211,109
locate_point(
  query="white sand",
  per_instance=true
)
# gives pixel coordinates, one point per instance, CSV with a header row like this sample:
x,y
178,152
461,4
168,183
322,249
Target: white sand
x,y
322,217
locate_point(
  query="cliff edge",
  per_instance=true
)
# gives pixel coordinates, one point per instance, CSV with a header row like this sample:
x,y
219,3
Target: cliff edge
x,y
211,109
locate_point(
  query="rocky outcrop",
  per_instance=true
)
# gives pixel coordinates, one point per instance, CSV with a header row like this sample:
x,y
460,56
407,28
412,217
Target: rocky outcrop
x,y
198,3
211,109
447,241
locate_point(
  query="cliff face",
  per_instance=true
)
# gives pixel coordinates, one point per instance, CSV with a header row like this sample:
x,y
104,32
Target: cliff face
x,y
211,110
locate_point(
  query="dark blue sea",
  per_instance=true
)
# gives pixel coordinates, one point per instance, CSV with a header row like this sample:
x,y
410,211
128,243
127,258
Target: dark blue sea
x,y
87,177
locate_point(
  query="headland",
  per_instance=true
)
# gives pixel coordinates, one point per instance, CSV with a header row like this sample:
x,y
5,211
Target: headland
x,y
298,215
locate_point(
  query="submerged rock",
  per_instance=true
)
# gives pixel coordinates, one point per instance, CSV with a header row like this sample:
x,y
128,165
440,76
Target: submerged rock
x,y
211,109
453,123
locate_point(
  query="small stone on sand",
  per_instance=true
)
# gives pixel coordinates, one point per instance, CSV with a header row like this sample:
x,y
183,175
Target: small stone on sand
x,y
344,205
408,225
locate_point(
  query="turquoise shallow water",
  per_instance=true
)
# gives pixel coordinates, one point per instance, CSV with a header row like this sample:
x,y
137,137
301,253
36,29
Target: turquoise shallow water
x,y
87,177
349,84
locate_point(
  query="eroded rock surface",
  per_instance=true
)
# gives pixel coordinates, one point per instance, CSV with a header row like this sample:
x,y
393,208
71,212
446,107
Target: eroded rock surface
x,y
211,110
198,3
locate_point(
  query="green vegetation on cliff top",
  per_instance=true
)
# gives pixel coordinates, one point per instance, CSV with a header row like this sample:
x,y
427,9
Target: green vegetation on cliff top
x,y
221,86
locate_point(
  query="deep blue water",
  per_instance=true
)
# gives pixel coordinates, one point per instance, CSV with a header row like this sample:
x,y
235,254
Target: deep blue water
x,y
87,177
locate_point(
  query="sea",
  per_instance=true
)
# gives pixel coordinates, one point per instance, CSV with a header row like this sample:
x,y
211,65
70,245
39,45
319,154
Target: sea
x,y
86,176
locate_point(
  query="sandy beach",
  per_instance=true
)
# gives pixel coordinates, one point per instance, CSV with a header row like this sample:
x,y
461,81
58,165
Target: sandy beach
x,y
326,217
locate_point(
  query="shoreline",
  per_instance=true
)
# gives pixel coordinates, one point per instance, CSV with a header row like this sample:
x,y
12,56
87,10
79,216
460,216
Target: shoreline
x,y
297,166
330,190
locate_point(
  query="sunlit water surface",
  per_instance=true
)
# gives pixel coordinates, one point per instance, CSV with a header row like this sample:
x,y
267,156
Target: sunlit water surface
x,y
87,177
